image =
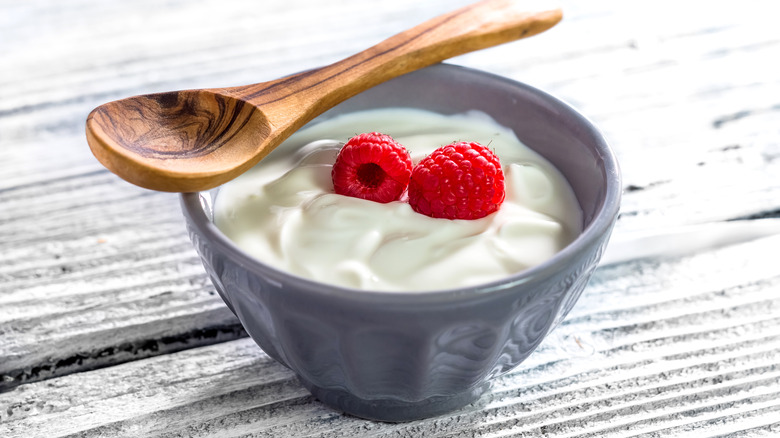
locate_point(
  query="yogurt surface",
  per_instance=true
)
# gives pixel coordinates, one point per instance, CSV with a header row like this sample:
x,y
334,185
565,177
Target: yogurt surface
x,y
284,211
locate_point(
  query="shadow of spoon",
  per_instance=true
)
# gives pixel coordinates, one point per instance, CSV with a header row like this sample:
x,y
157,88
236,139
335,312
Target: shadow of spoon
x,y
192,140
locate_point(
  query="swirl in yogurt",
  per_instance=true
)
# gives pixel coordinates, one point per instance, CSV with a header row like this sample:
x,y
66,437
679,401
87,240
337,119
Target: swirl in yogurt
x,y
284,212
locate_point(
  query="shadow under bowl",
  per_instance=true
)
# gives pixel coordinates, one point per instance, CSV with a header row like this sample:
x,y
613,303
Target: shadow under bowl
x,y
401,356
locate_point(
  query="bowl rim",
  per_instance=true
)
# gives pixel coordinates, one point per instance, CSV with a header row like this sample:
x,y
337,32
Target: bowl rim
x,y
602,223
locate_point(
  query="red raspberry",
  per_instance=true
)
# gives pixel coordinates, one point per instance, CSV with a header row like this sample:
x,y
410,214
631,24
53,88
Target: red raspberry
x,y
458,181
372,166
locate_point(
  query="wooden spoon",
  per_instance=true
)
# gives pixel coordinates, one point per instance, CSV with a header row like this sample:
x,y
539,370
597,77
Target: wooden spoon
x,y
194,140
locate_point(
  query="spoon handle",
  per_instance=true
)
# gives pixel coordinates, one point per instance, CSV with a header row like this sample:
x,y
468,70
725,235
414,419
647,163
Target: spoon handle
x,y
290,102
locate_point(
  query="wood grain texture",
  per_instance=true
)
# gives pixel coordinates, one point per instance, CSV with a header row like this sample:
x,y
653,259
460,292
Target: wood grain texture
x,y
90,258
675,347
95,273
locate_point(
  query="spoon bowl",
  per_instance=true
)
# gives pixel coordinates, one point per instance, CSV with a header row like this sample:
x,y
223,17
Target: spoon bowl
x,y
174,131
193,140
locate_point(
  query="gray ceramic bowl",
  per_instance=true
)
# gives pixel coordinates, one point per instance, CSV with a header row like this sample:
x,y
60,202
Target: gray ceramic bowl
x,y
401,356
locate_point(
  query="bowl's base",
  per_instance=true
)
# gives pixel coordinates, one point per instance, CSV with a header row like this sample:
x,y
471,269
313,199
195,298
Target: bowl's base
x,y
392,410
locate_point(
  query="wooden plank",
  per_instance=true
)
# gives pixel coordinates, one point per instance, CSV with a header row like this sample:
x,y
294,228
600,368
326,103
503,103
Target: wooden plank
x,y
96,273
106,265
234,40
680,347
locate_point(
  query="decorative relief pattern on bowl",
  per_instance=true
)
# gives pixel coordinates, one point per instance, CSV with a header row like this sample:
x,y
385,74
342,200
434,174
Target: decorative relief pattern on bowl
x,y
548,308
578,279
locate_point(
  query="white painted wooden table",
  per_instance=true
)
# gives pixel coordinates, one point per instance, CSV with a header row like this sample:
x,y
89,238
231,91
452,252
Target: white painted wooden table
x,y
109,326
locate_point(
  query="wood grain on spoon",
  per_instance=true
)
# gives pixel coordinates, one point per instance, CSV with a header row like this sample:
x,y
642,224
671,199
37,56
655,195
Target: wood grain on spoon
x,y
193,140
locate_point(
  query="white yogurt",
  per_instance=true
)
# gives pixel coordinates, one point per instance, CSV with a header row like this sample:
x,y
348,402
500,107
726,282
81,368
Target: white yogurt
x,y
284,211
